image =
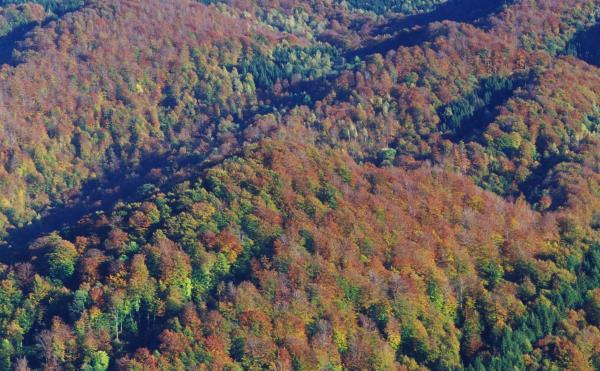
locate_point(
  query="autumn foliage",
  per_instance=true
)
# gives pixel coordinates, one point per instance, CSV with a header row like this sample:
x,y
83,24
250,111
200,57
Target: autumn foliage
x,y
299,185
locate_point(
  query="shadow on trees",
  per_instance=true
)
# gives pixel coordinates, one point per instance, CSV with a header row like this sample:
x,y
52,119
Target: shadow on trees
x,y
406,38
120,185
10,42
584,45
539,180
124,182
414,30
467,117
306,92
465,11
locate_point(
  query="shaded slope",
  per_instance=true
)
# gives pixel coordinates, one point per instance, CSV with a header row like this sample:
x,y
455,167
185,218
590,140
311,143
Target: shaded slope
x,y
58,137
233,233
584,45
464,11
416,29
15,23
271,216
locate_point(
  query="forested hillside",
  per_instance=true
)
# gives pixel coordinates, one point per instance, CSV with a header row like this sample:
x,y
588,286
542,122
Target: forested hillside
x,y
250,184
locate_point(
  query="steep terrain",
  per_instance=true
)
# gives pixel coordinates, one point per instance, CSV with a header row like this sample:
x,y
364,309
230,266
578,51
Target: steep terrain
x,y
299,185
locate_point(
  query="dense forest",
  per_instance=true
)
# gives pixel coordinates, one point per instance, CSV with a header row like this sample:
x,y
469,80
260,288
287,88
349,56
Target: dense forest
x,y
299,185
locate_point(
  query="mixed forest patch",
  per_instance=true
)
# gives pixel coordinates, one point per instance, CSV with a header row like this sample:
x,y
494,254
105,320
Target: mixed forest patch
x,y
299,185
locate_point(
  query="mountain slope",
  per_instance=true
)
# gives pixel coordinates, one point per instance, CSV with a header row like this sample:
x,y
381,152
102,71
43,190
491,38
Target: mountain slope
x,y
303,185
